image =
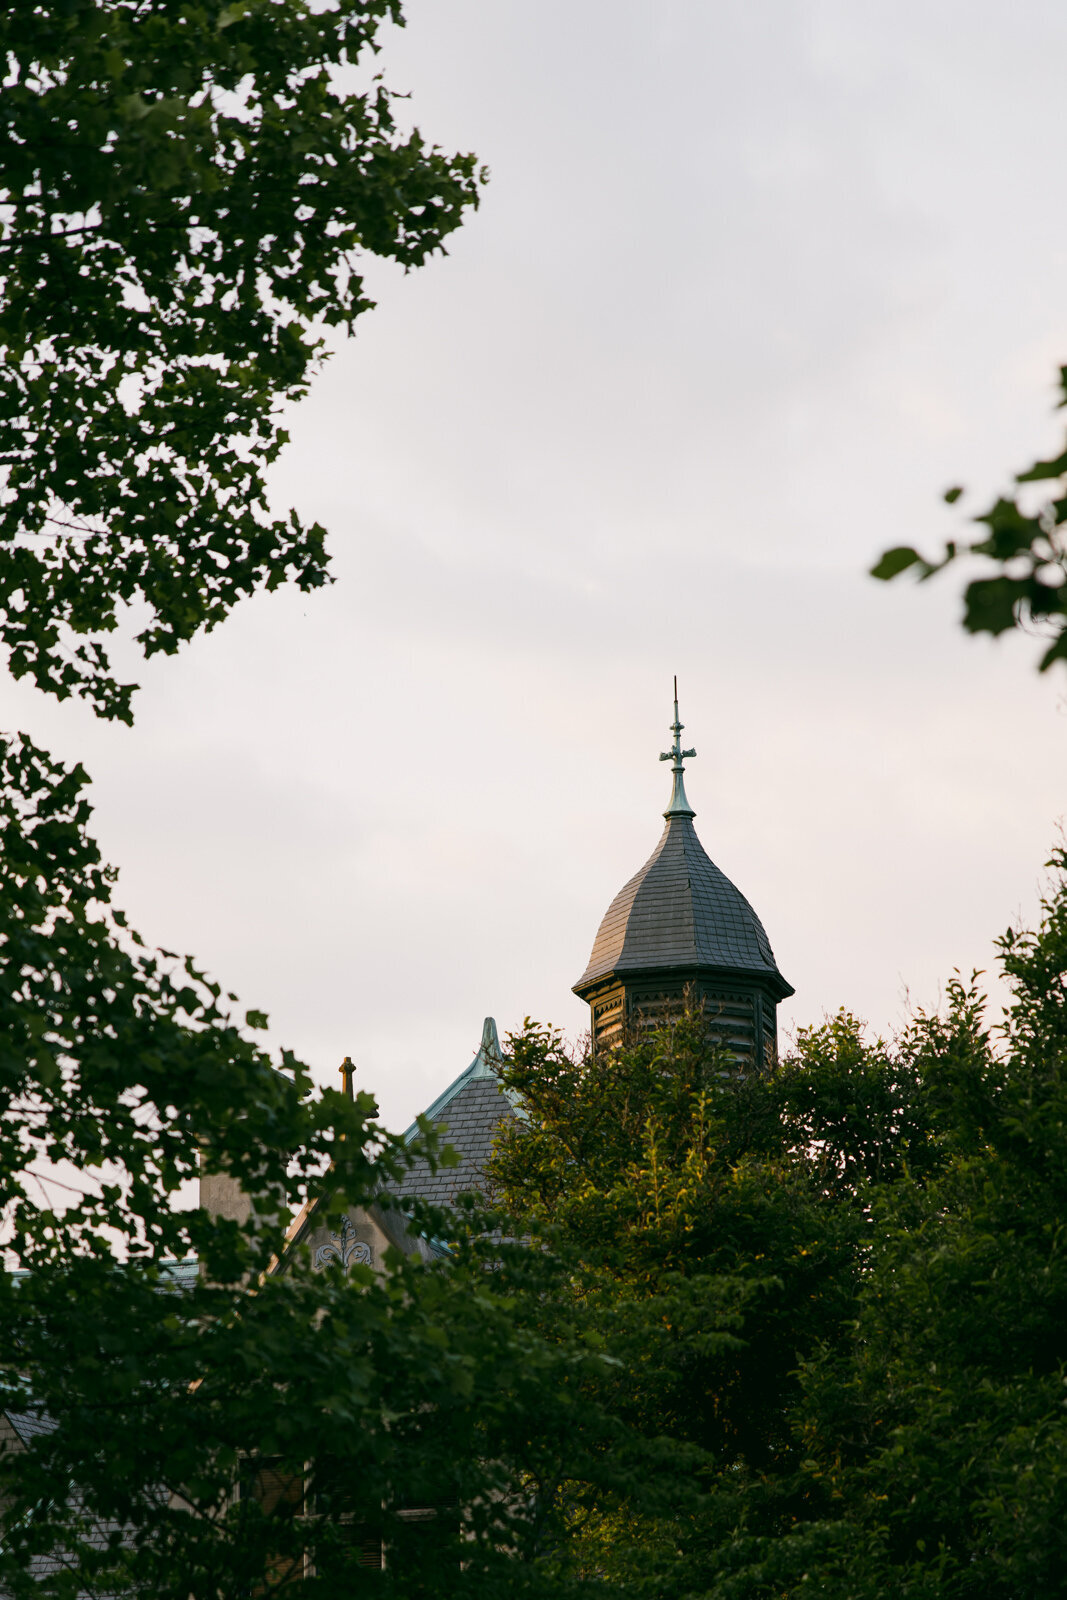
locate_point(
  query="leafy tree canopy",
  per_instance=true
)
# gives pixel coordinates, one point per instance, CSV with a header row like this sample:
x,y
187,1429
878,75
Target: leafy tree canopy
x,y
235,1430
935,1437
706,1256
839,1290
187,191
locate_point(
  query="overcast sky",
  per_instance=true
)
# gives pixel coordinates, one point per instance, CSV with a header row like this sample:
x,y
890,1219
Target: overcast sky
x,y
751,285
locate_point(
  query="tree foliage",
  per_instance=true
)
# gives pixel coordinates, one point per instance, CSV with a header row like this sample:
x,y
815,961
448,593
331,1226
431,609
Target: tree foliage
x,y
187,193
1023,543
705,1257
188,189
236,1430
839,1290
936,1437
724,1336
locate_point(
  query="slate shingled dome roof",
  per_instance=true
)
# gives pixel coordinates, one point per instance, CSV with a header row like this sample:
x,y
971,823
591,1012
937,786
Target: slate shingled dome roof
x,y
681,911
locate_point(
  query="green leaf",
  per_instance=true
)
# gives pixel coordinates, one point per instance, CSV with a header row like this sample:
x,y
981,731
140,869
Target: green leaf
x,y
893,562
991,604
1044,469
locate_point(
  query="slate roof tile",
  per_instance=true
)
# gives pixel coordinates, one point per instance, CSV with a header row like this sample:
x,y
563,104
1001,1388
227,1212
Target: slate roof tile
x,y
467,1116
680,910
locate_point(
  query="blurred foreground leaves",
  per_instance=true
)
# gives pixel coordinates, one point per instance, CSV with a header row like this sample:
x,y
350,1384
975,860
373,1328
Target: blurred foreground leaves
x,y
1024,544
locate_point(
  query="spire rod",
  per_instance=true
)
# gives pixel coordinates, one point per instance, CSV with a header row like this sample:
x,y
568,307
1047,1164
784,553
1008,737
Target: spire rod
x,y
679,806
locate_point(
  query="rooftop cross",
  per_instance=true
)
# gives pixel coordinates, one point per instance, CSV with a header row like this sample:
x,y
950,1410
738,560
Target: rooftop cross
x,y
679,806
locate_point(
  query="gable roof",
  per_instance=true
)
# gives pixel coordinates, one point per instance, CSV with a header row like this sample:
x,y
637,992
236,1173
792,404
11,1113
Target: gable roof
x,y
467,1115
29,1425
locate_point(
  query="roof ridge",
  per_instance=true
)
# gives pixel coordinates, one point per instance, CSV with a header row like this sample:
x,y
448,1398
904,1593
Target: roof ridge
x,y
483,1066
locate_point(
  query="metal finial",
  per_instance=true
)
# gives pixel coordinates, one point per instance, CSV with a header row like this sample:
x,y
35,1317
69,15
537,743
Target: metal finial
x,y
679,806
346,1070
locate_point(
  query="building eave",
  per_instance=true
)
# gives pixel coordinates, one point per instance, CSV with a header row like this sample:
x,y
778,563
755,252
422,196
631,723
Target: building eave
x,y
769,977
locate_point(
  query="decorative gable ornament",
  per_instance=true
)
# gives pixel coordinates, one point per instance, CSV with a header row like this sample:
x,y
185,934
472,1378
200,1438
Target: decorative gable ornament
x,y
344,1248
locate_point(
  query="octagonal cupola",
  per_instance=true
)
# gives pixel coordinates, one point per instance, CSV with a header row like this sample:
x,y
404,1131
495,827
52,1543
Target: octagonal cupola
x,y
680,928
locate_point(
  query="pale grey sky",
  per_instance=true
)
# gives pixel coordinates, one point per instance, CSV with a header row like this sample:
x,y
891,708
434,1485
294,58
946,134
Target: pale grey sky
x,y
751,285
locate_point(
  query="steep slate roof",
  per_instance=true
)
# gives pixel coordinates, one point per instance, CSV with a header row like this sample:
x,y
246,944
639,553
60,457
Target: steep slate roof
x,y
680,910
467,1116
29,1424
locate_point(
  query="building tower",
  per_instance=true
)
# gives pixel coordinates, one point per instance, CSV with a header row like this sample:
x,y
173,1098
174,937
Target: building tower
x,y
678,928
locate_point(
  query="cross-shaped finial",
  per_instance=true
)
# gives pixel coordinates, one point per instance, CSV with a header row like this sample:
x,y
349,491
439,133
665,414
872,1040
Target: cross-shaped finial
x,y
346,1070
679,806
